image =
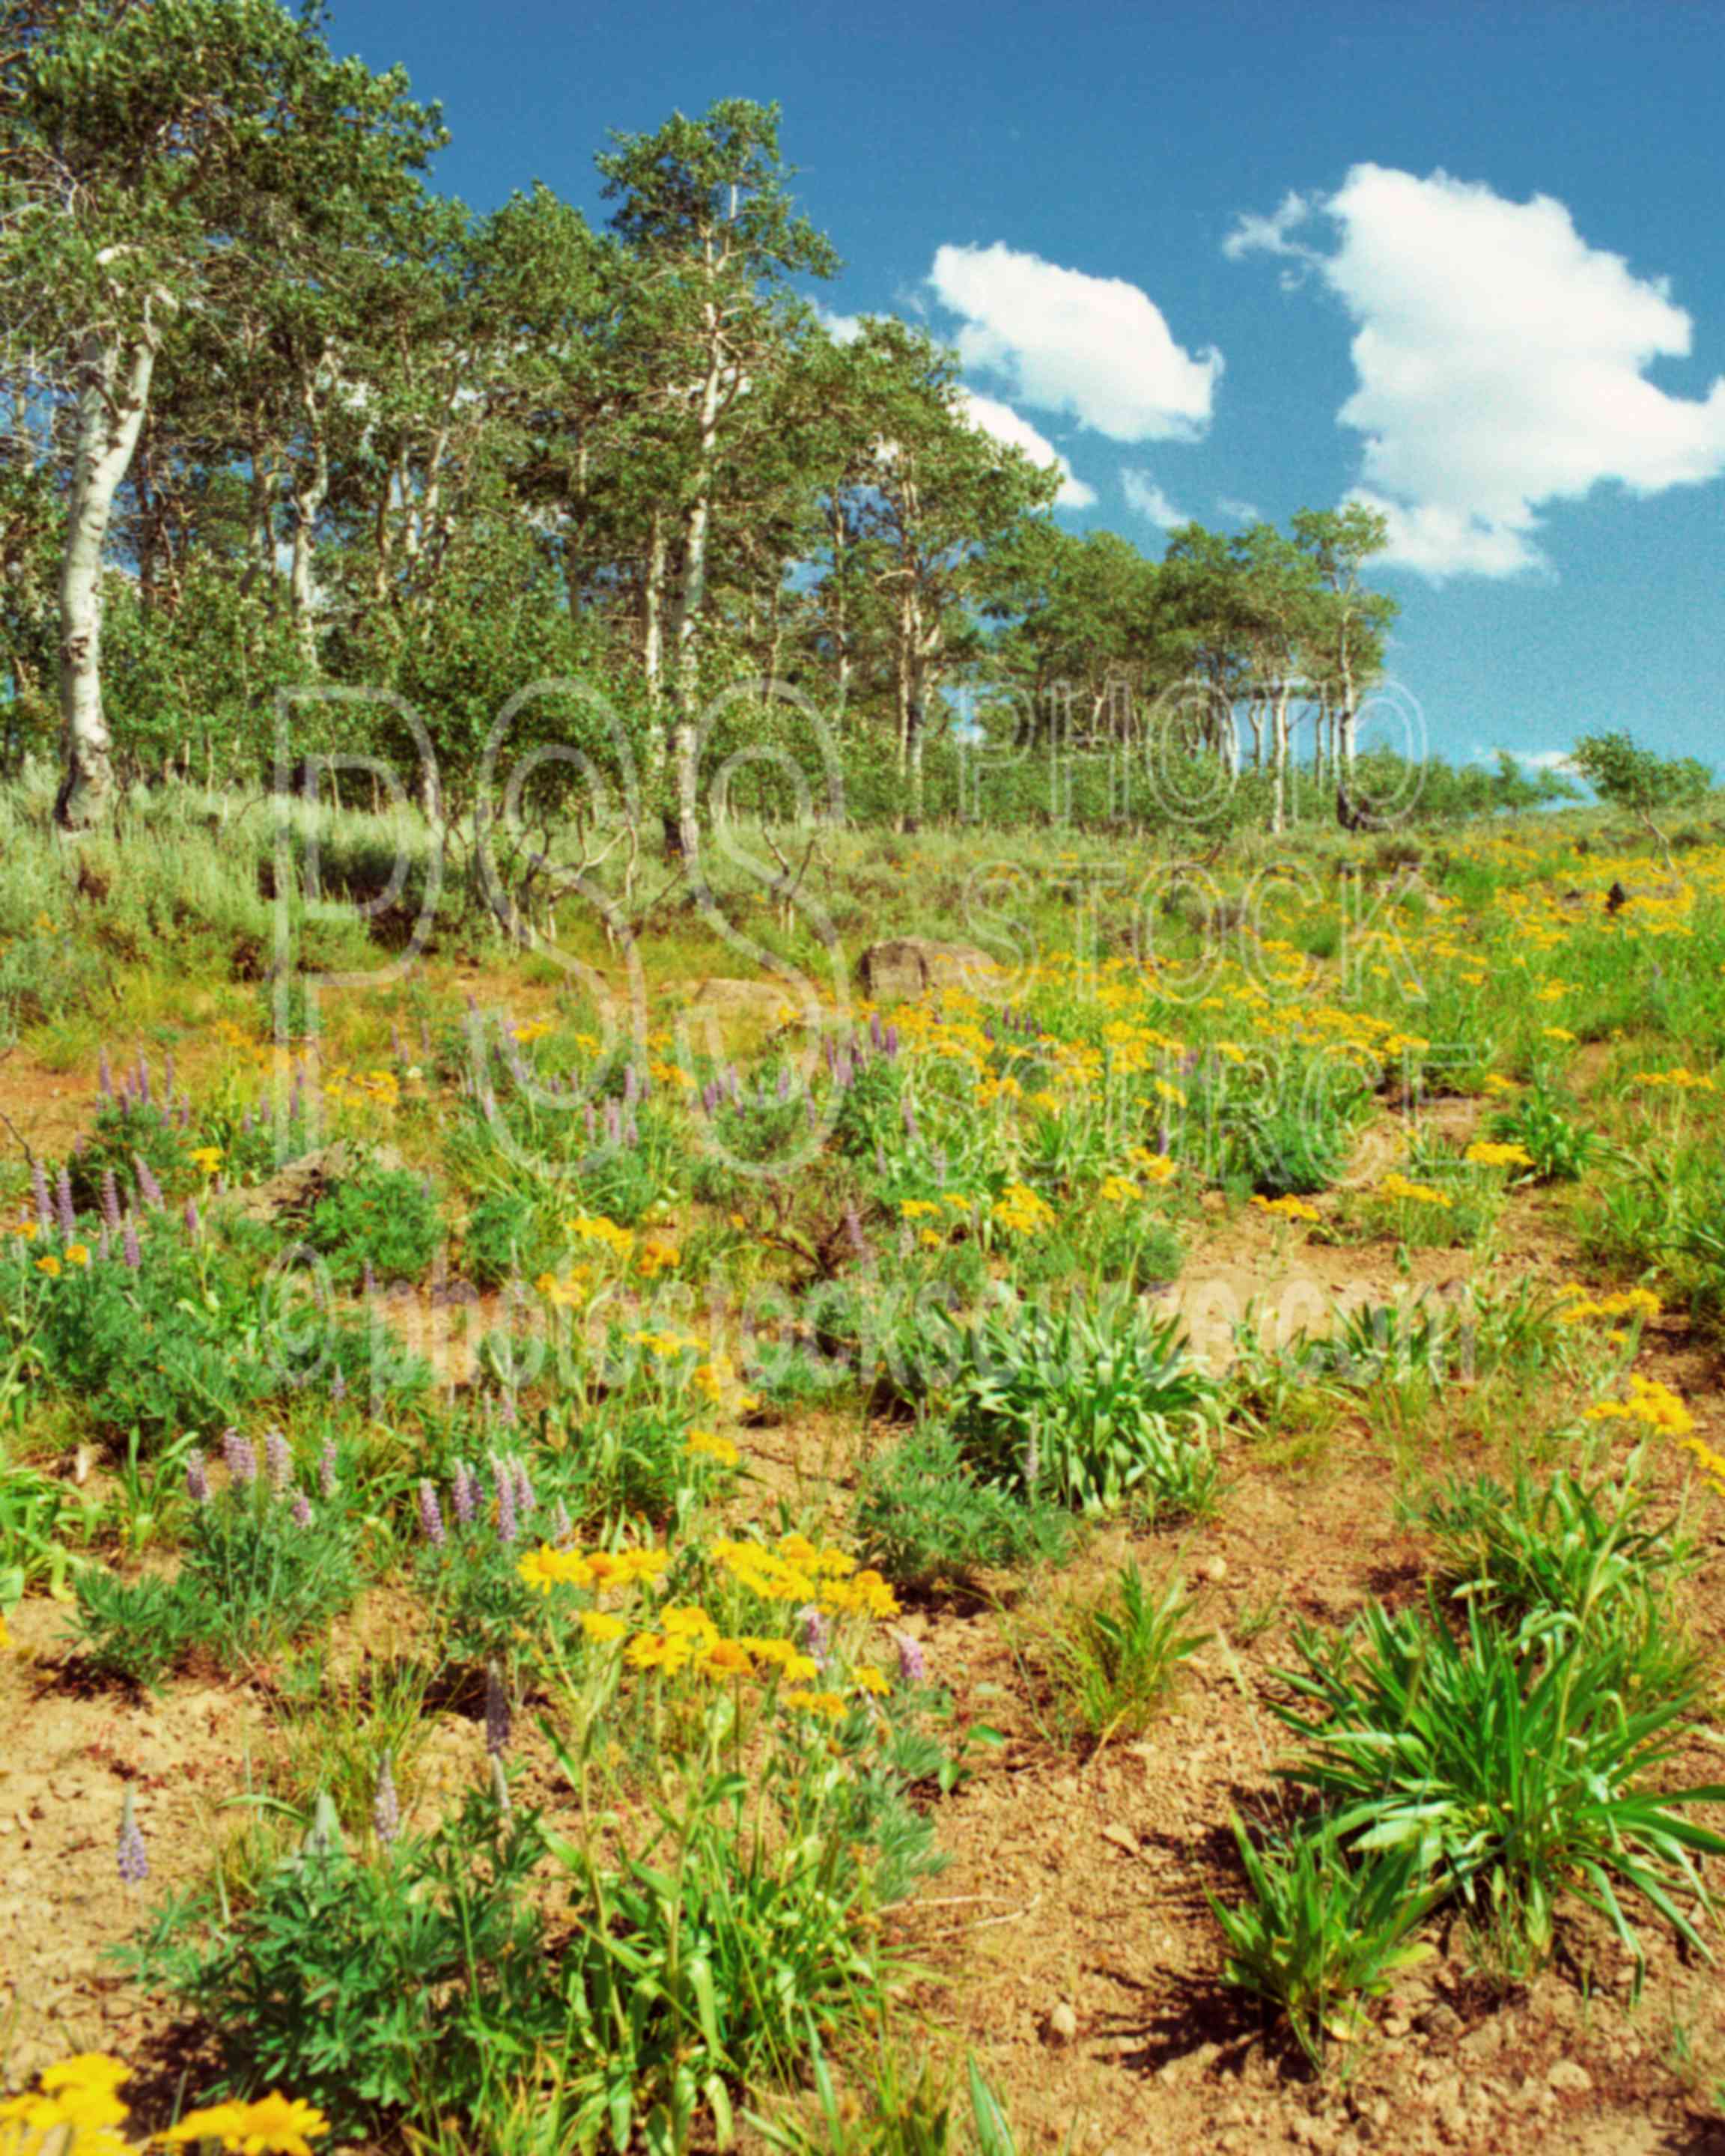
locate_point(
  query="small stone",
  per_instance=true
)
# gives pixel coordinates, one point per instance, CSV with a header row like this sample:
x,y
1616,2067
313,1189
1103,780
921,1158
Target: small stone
x,y
1480,2043
1569,2078
1062,2025
1214,1569
1122,1837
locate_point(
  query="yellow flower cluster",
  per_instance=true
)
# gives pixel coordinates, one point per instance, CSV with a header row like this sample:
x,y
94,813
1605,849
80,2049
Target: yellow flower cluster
x,y
75,2110
545,1567
1021,1209
705,1444
1490,1153
361,1089
793,1570
1681,1080
1286,1209
1399,1189
1654,1406
1579,1304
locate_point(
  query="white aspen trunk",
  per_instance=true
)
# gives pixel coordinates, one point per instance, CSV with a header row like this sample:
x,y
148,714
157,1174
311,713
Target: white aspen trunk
x,y
697,526
113,395
1278,813
308,507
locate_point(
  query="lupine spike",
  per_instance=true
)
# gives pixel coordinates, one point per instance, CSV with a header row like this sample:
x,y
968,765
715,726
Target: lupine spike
x,y
38,1191
133,1858
64,1209
326,1468
241,1457
198,1479
507,1525
111,1200
912,1662
431,1518
301,1509
134,1256
814,1633
466,1494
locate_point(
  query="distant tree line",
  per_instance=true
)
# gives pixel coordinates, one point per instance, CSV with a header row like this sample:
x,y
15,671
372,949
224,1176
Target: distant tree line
x,y
278,414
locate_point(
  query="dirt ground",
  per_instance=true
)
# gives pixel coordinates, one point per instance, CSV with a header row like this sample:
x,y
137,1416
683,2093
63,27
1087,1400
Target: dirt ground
x,y
1068,1943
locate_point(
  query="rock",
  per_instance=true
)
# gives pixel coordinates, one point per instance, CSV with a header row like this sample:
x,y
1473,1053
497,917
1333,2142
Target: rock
x,y
1442,2020
1569,2078
1214,1569
909,967
297,1188
1062,2025
1480,2043
1122,1837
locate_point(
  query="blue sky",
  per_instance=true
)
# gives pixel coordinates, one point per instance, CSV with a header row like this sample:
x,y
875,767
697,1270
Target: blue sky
x,y
1487,233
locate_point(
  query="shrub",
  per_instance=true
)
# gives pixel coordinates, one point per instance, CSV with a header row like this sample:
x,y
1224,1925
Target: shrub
x,y
383,1220
1086,1404
1321,1930
1118,1653
923,1517
1510,1768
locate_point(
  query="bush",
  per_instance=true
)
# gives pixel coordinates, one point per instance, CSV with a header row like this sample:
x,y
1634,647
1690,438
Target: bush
x,y
922,1516
1509,1768
383,1220
262,1567
1321,1930
1086,1404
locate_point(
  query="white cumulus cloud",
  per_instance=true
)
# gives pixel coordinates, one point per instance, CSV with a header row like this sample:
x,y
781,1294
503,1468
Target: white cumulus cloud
x,y
1095,348
1005,425
1501,362
1143,495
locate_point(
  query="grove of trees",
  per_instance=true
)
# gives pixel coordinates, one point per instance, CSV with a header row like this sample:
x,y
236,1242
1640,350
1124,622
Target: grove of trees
x,y
279,415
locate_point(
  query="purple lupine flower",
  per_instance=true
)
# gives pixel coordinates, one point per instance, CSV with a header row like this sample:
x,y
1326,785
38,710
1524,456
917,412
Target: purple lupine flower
x,y
368,1283
301,1509
876,1036
278,1459
245,1124
241,1458
853,1229
193,1224
104,1076
814,1633
111,1200
132,1857
562,1529
66,1211
44,1203
386,1805
143,1078
466,1492
710,1095
506,1416
431,1518
507,1525
525,1498
326,1466
910,1121
912,1662
149,1189
134,1256
198,1479
785,1086
496,1713
338,1385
